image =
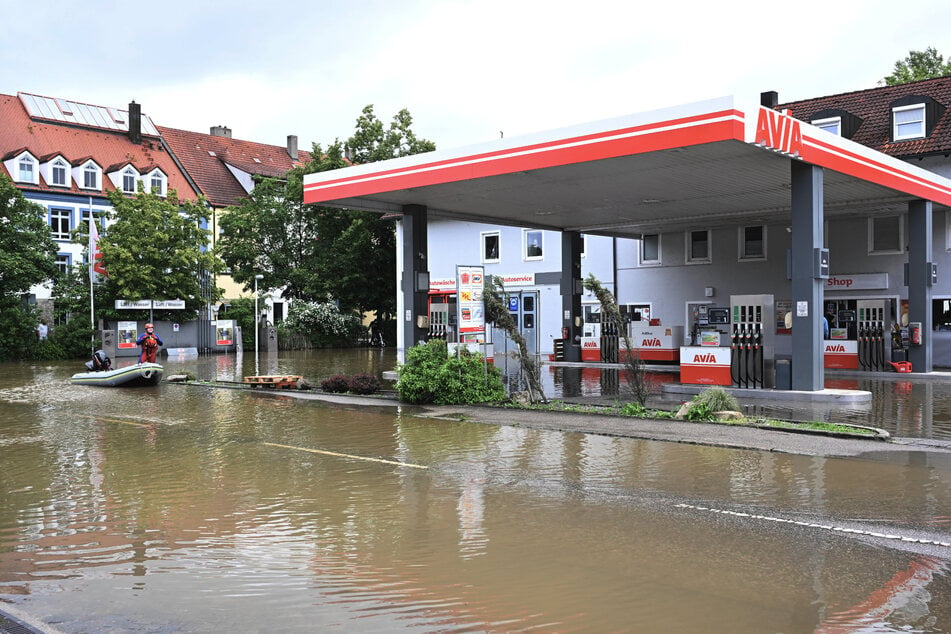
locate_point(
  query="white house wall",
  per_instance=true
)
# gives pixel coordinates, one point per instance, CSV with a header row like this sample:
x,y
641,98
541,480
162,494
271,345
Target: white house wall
x,y
454,243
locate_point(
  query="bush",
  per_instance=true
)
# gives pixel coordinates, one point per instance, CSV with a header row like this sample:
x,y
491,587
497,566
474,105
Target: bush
x,y
364,384
430,375
337,384
633,409
705,404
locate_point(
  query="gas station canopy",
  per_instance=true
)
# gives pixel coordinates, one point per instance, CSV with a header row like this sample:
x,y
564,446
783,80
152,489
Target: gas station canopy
x,y
706,164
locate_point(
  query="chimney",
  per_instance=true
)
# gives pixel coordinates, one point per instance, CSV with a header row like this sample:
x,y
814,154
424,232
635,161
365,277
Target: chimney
x,y
135,122
221,130
769,99
292,146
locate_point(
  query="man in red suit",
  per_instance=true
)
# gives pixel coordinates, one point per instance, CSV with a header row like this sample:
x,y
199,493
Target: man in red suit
x,y
150,343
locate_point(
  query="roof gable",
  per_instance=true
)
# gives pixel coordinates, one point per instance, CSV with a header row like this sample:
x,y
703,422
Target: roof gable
x,y
222,166
873,107
79,145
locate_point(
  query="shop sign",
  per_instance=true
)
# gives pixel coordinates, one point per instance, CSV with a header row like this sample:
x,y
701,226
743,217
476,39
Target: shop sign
x,y
857,282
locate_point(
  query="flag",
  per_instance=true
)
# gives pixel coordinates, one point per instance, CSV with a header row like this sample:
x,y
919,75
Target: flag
x,y
95,255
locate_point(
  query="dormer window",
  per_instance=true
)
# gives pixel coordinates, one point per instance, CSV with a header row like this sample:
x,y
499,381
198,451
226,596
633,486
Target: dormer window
x,y
128,180
157,182
908,122
89,175
58,173
832,125
26,169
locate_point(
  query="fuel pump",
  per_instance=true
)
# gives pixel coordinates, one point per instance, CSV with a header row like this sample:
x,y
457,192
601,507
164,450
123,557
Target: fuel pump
x,y
752,363
873,328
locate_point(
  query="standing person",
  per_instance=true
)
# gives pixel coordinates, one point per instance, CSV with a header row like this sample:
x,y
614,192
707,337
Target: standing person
x,y
42,331
150,343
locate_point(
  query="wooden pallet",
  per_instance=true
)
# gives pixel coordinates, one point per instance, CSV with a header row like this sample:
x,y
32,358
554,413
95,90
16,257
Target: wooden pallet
x,y
274,381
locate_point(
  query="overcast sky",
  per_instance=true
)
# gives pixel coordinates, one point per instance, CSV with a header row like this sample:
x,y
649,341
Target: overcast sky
x,y
467,70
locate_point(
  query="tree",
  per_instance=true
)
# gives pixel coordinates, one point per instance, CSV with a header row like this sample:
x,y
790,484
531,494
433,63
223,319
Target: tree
x,y
156,249
371,143
312,251
918,65
27,258
27,248
357,254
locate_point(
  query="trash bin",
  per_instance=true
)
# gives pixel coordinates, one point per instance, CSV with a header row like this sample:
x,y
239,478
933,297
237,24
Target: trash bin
x,y
783,373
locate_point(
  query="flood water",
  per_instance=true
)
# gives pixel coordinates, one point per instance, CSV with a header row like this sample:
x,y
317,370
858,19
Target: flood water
x,y
182,508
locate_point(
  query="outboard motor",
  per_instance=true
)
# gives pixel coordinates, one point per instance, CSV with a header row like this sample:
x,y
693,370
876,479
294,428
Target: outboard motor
x,y
100,362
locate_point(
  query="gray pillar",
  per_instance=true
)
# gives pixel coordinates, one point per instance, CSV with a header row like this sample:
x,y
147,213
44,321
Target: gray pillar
x,y
571,289
808,373
415,283
919,281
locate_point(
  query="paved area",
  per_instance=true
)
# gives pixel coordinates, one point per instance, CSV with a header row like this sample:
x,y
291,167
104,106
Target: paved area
x,y
721,435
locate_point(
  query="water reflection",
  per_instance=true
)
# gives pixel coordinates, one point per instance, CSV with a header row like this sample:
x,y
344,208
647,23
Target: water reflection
x,y
184,508
919,408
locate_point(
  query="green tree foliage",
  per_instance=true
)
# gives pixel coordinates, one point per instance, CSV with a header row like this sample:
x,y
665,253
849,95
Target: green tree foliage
x,y
918,65
27,249
27,258
73,330
155,249
371,142
323,322
430,375
496,312
312,251
636,377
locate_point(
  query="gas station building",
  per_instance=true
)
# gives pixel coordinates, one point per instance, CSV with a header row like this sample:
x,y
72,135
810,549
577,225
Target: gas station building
x,y
730,223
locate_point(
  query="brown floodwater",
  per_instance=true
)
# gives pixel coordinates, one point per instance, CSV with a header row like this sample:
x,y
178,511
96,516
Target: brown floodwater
x,y
192,509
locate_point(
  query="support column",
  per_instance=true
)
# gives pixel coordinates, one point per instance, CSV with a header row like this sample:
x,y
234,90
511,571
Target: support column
x,y
808,372
414,286
919,281
571,290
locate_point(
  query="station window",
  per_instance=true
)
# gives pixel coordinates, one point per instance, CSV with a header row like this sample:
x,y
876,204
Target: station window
x,y
886,235
752,243
650,249
60,223
534,248
491,247
698,246
908,122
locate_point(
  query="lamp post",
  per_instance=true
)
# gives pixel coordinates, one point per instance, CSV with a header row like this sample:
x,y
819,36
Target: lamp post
x,y
257,323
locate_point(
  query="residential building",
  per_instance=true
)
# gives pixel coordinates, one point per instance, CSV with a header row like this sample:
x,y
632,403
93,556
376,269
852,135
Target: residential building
x,y
223,170
66,156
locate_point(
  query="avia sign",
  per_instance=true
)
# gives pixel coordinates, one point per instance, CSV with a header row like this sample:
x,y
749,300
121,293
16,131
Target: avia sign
x,y
778,131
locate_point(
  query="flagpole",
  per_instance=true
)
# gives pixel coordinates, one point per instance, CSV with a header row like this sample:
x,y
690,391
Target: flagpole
x,y
92,259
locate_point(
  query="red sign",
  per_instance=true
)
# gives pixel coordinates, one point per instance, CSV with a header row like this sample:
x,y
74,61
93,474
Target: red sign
x,y
779,131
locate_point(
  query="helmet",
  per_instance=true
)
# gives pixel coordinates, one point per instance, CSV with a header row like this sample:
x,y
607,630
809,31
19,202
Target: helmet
x,y
147,326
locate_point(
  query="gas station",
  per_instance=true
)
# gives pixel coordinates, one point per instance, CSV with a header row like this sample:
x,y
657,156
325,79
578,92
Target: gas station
x,y
720,163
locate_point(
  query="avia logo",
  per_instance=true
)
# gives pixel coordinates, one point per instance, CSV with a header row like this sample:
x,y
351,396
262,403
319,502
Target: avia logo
x,y
650,343
779,131
835,347
590,344
705,358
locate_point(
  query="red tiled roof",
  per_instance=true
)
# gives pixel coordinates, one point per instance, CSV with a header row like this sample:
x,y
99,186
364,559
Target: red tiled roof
x,y
206,158
873,107
73,142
